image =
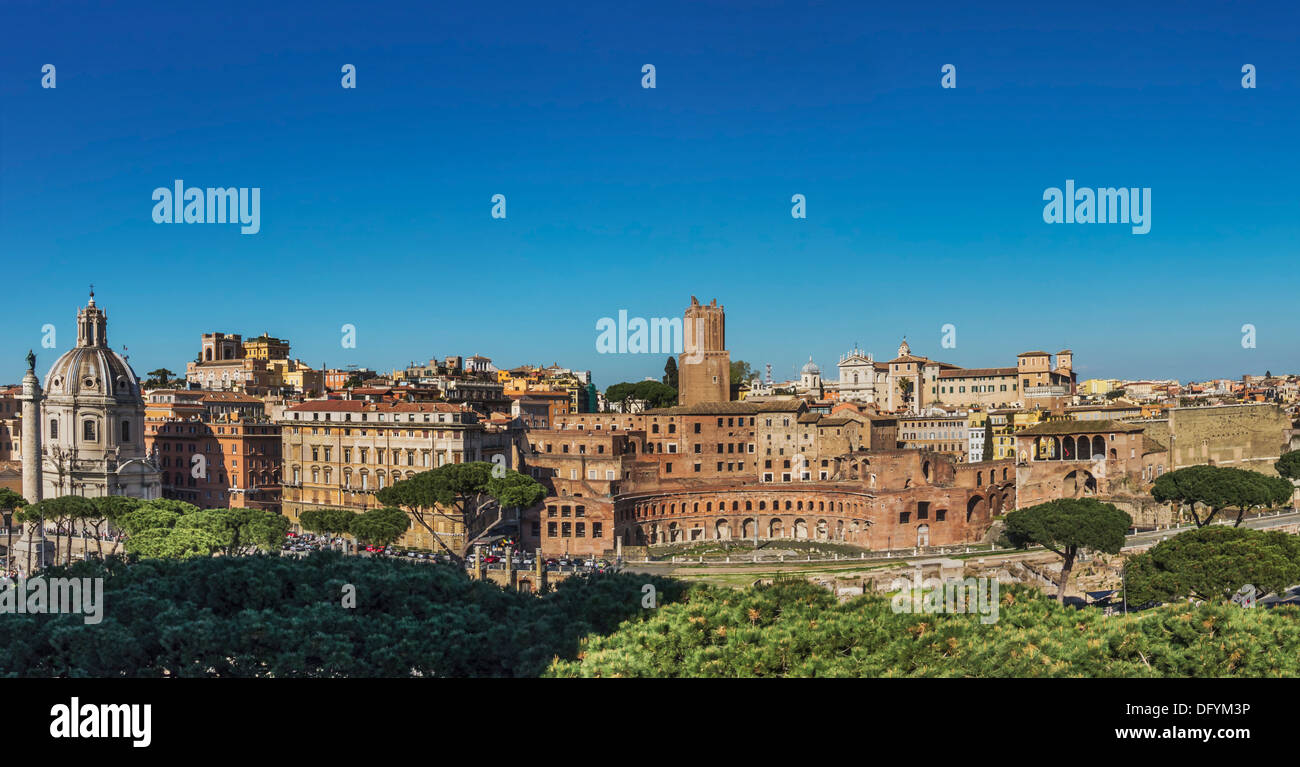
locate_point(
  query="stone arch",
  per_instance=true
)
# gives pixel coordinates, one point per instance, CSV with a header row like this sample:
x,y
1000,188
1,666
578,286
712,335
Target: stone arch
x,y
922,535
975,507
774,528
1084,451
722,531
822,530
1098,446
747,528
801,529
1079,483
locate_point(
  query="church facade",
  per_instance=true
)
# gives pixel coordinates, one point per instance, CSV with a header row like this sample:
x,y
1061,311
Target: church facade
x,y
90,440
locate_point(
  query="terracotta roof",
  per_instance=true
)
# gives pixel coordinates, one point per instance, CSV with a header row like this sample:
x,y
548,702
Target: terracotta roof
x,y
357,406
966,372
228,396
1033,354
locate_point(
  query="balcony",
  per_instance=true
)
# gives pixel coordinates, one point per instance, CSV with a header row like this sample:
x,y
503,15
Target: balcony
x,y
1047,391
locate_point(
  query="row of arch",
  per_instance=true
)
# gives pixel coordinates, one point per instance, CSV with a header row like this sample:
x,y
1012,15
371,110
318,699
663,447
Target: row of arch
x,y
775,528
798,528
650,509
1067,448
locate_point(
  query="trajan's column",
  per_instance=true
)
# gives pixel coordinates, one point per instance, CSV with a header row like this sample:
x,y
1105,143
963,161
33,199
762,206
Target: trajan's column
x,y
32,460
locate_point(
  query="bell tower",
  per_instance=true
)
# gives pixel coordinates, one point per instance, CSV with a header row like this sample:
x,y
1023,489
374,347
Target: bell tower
x,y
92,324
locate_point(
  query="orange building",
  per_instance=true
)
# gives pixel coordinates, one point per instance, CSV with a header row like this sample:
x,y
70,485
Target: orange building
x,y
215,449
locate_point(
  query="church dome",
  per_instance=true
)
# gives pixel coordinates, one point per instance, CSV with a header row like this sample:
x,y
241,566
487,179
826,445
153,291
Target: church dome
x,y
91,368
91,371
811,368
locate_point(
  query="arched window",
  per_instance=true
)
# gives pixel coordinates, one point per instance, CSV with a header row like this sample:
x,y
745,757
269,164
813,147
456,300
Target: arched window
x,y
126,431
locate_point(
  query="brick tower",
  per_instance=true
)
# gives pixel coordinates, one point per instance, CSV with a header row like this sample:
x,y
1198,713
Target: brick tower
x,y
704,367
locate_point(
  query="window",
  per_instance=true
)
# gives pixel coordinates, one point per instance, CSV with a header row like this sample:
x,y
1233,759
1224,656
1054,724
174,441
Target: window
x,y
88,431
54,428
126,431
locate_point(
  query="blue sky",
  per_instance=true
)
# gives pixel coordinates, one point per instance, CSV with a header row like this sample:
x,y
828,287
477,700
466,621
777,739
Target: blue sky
x,y
924,204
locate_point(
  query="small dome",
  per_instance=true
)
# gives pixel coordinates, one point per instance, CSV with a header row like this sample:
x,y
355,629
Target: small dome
x,y
811,368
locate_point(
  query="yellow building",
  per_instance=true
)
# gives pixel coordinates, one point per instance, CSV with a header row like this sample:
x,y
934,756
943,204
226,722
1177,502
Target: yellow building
x,y
297,375
1005,425
264,347
1098,386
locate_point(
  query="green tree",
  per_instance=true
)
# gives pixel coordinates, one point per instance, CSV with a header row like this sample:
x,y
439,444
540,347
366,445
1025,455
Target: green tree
x,y
798,629
1219,488
109,510
331,522
179,613
162,378
1213,563
1066,527
988,439
905,389
1289,465
10,502
31,516
654,393
380,527
670,372
740,372
148,517
66,512
466,494
237,531
174,543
